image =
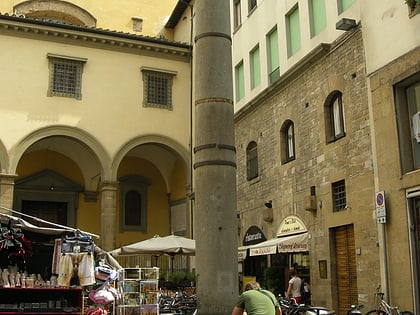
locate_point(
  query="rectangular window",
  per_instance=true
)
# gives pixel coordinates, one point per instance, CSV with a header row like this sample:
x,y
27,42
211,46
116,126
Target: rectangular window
x,y
65,76
254,58
240,81
237,21
251,5
293,32
317,16
157,88
343,5
407,107
339,195
273,56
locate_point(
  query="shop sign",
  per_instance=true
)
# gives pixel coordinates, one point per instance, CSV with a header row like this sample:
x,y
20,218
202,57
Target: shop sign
x,y
291,225
293,247
296,243
262,251
253,235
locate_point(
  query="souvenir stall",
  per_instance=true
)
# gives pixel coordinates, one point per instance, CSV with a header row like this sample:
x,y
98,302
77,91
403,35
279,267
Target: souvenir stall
x,y
52,269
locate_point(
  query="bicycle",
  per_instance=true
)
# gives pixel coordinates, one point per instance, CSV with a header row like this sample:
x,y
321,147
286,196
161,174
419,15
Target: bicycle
x,y
383,308
290,307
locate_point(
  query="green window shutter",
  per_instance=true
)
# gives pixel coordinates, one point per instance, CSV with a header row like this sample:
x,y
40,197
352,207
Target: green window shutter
x,y
294,32
318,16
240,82
255,67
343,5
273,45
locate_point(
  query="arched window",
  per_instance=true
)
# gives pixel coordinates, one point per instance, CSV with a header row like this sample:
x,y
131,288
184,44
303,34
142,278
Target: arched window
x,y
252,160
133,207
287,140
55,11
334,117
133,203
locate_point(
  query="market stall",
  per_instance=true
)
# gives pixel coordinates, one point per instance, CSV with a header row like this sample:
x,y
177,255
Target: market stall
x,y
48,268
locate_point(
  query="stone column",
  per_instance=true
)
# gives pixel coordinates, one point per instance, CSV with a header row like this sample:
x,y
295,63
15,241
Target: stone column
x,y
7,185
215,225
108,215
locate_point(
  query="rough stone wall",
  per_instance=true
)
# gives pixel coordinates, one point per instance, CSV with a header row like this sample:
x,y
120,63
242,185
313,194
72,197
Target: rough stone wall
x,y
317,163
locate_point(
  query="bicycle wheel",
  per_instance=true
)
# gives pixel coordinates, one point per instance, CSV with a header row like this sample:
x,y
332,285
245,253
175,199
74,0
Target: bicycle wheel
x,y
376,312
407,313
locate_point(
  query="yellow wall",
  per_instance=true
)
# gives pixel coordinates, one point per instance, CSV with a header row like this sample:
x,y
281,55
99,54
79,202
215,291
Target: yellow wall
x,y
178,183
88,213
117,15
157,202
37,161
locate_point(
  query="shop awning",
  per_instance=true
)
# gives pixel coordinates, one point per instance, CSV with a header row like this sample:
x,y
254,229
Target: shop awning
x,y
287,244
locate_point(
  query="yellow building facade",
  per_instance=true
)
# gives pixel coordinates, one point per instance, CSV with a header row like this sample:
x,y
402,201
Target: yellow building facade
x,y
95,109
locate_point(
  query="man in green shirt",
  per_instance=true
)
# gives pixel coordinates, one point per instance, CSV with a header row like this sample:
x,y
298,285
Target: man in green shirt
x,y
256,301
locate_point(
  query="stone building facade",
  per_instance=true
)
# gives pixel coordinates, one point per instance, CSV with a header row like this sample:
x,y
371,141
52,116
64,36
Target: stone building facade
x,y
328,156
318,163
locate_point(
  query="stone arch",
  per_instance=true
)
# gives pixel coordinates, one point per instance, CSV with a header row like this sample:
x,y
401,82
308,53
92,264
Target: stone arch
x,y
160,143
62,11
90,151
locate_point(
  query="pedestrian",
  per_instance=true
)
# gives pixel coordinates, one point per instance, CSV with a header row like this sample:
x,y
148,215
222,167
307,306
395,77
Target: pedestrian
x,y
293,289
305,292
256,301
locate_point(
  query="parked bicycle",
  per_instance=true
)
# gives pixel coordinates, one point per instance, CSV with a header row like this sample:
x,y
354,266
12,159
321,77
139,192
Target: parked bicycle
x,y
355,309
383,308
290,307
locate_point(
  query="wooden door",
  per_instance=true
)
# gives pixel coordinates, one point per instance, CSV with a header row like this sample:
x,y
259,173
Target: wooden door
x,y
346,268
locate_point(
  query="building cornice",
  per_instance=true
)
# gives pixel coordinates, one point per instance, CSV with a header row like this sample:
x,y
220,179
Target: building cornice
x,y
13,25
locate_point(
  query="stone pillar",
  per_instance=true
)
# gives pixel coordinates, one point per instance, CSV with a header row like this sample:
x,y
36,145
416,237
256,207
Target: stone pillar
x,y
7,185
108,215
215,225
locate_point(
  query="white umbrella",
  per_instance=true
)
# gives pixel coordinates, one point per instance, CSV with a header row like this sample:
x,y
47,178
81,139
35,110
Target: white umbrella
x,y
157,245
167,245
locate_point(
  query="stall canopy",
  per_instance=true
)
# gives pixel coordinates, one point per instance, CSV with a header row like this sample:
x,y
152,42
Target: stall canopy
x,y
286,244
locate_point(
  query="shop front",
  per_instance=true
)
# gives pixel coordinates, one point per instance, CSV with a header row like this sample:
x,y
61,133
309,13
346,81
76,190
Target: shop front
x,y
273,258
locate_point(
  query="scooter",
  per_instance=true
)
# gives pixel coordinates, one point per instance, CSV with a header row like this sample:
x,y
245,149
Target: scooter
x,y
355,309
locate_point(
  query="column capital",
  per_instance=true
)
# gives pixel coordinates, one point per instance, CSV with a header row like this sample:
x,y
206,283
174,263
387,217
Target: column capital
x,y
7,179
109,185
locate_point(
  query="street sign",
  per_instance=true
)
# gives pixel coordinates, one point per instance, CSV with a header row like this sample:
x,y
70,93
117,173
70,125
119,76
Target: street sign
x,y
380,207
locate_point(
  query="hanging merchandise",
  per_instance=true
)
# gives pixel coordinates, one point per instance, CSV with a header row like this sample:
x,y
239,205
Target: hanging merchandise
x,y
16,247
76,262
102,296
105,294
105,273
97,311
